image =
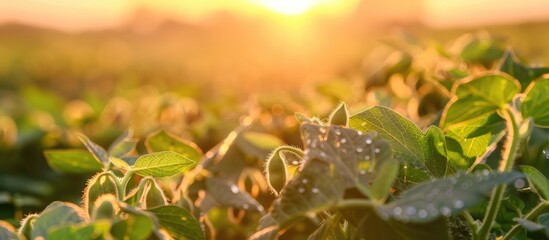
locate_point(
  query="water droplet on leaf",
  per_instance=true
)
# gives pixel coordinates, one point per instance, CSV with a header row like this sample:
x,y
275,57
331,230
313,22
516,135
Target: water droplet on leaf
x,y
234,189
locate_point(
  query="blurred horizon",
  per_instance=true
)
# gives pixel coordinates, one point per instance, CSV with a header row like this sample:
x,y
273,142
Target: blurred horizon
x,y
87,15
236,47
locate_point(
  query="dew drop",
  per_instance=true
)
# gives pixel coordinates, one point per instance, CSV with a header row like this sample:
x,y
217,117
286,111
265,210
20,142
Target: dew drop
x,y
295,162
343,140
377,150
362,172
422,213
305,181
322,130
314,190
458,204
520,183
410,210
260,208
546,153
359,132
338,132
446,211
397,211
367,157
245,206
359,150
301,190
234,189
485,172
368,141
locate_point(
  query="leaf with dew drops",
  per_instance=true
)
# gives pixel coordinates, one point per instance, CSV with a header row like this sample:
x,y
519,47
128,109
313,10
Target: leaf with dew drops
x,y
428,201
354,155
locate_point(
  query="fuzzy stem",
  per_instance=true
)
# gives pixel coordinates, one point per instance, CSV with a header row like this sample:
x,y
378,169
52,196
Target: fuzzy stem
x,y
539,209
506,164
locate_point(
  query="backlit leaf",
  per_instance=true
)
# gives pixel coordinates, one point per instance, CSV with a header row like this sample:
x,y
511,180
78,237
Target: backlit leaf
x,y
468,142
511,65
536,102
478,96
161,164
95,230
179,223
408,142
541,183
164,141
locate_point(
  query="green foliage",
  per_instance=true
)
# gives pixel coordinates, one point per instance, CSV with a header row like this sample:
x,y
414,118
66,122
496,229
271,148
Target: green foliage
x,y
73,161
418,168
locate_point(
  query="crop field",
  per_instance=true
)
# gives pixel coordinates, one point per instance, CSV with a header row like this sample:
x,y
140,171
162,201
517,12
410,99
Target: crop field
x,y
232,130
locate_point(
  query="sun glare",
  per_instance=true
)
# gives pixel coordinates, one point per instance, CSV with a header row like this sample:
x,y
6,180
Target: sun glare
x,y
289,7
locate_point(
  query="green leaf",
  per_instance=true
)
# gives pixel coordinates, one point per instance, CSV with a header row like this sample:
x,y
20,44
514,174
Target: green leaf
x,y
434,150
7,231
150,194
529,225
97,151
72,161
524,74
536,102
308,193
385,176
471,141
540,182
179,223
133,227
123,145
164,141
407,141
119,163
423,203
227,193
354,155
121,149
55,215
339,116
161,164
478,96
96,230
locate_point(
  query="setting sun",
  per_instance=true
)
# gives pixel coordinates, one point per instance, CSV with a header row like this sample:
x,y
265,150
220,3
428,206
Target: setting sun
x,y
289,7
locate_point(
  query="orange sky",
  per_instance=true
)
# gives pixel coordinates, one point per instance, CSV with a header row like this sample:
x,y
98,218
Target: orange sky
x,y
93,14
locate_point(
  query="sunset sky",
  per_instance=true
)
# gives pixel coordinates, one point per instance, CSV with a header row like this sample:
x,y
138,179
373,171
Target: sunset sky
x,y
95,14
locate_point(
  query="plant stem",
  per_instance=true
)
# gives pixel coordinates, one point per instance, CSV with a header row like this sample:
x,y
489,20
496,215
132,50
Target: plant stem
x,y
539,209
122,185
509,155
470,221
355,203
